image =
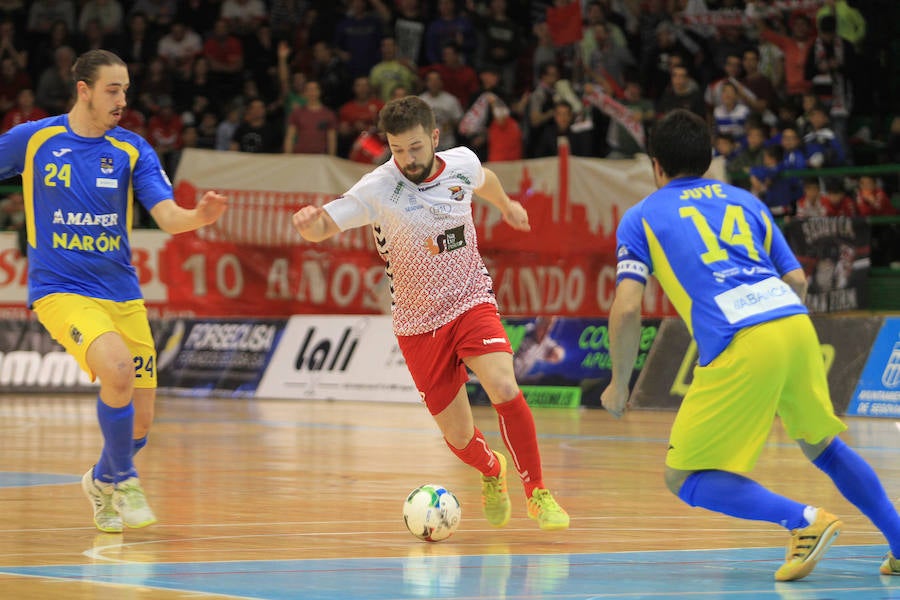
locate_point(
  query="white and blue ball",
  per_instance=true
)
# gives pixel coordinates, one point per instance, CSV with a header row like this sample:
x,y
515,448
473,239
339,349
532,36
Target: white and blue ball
x,y
431,512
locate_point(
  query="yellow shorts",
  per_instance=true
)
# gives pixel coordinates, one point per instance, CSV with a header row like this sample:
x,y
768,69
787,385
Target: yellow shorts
x,y
76,321
727,414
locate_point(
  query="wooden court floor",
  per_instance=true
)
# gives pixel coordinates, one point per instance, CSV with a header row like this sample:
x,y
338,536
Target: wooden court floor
x,y
277,499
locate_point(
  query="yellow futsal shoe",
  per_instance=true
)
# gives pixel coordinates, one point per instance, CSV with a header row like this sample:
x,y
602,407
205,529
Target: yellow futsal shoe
x,y
808,545
890,566
544,509
494,497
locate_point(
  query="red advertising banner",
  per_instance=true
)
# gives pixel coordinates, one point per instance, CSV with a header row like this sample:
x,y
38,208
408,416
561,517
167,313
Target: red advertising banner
x,y
219,278
253,264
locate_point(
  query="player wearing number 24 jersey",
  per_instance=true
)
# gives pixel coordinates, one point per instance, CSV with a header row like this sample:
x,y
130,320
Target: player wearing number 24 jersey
x,y
730,274
81,175
82,248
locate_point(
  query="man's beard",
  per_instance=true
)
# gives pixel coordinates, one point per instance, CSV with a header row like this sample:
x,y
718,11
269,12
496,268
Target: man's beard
x,y
421,176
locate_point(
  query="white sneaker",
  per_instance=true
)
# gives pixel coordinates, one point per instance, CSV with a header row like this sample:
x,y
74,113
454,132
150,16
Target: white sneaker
x,y
100,494
129,500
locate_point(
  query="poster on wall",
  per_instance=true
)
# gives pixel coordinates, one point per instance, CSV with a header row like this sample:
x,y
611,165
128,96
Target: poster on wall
x,y
564,362
216,357
835,255
878,391
338,357
32,361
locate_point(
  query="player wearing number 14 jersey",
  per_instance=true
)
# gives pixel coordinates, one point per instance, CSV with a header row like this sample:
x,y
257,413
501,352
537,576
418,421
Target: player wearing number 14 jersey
x,y
81,174
419,206
731,276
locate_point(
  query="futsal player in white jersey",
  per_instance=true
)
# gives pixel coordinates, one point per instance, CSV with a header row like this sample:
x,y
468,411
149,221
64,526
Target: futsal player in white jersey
x,y
419,205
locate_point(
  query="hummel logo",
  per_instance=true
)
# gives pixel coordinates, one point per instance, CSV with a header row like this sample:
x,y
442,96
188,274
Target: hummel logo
x,y
61,152
496,340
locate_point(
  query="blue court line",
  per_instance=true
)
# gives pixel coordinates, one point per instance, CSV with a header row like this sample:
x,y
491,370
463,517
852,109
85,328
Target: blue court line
x,y
14,479
847,572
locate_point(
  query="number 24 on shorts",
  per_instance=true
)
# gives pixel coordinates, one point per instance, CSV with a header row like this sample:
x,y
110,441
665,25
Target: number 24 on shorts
x,y
144,366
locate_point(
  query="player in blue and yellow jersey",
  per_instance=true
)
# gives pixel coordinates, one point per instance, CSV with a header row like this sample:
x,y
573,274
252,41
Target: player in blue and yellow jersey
x,y
80,176
731,276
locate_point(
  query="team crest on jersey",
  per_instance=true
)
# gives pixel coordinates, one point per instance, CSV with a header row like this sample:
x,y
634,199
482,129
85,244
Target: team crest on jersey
x,y
452,239
457,193
76,335
106,164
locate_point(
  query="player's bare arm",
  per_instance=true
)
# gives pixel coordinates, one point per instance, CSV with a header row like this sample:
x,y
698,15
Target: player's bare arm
x,y
513,212
314,224
624,343
797,280
173,219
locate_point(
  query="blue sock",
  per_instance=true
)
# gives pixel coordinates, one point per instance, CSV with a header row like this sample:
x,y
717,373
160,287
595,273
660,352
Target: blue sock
x,y
103,470
738,496
138,444
117,425
860,485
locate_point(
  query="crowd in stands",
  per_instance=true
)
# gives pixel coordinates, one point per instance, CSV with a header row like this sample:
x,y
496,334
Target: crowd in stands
x,y
782,82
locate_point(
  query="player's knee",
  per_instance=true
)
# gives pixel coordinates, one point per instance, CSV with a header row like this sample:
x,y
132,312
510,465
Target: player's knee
x,y
118,378
504,391
458,438
675,479
813,451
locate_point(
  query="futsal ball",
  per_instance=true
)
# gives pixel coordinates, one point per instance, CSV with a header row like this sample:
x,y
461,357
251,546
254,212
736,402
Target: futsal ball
x,y
431,512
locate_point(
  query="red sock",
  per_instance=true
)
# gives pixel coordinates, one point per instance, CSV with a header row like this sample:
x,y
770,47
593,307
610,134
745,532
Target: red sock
x,y
477,454
520,437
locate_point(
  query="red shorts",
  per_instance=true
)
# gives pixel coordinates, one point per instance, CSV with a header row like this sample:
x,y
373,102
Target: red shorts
x,y
435,358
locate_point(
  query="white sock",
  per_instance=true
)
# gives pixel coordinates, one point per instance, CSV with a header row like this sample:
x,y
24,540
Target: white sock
x,y
810,513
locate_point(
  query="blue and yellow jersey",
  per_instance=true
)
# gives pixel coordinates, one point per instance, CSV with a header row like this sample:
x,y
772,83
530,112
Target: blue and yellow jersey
x,y
717,255
79,196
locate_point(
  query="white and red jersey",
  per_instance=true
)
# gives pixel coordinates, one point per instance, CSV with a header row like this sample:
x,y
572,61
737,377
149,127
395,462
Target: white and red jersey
x,y
426,235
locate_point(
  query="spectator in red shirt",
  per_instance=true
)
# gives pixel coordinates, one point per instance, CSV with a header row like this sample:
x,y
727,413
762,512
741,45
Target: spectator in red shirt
x,y
24,110
226,59
813,202
12,79
504,136
795,48
459,79
312,129
358,115
871,200
838,204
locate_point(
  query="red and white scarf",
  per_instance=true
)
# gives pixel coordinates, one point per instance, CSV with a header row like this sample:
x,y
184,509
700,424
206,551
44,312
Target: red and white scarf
x,y
617,111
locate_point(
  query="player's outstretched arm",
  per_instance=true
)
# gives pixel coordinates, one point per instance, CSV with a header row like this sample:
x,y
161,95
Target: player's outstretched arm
x,y
624,343
173,219
513,212
314,224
